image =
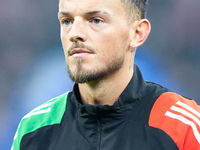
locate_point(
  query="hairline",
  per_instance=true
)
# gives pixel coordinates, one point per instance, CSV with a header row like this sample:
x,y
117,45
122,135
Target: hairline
x,y
132,10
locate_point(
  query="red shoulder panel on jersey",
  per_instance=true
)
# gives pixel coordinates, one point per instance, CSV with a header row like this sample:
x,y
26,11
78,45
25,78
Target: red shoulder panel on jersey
x,y
179,117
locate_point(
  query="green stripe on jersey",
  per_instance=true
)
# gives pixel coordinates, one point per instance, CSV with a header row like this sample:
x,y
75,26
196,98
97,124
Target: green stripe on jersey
x,y
46,114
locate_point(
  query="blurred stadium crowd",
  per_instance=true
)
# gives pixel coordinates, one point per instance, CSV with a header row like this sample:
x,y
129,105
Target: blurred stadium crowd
x,y
32,65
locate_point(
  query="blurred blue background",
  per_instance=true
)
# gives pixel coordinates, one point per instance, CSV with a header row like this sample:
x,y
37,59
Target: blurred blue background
x,y
32,65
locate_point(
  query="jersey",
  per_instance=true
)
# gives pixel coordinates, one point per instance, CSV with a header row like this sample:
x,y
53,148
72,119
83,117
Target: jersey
x,y
146,116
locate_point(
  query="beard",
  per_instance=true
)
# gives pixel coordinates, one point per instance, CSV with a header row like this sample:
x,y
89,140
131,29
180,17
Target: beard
x,y
81,75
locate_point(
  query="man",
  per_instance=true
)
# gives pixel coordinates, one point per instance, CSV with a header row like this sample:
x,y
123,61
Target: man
x,y
111,107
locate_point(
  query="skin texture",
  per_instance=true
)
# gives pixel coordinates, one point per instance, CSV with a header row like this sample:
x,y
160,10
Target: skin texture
x,y
99,44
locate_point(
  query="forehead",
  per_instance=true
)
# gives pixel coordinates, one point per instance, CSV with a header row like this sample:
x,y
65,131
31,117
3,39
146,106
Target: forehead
x,y
74,6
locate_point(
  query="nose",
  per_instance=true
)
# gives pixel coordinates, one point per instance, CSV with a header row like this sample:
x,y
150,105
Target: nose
x,y
77,31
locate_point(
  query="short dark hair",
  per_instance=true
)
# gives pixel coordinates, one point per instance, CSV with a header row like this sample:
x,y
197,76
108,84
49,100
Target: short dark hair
x,y
136,9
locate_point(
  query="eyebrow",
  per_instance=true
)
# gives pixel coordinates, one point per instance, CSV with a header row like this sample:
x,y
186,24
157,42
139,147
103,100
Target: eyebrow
x,y
63,13
87,13
94,12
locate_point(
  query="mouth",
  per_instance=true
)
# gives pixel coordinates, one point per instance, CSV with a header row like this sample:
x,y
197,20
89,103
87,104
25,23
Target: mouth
x,y
79,52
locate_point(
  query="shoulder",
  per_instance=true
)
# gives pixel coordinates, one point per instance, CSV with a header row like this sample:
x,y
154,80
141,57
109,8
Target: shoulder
x,y
179,117
51,112
53,108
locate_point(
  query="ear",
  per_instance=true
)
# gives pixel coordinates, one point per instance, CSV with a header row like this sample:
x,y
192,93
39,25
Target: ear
x,y
141,30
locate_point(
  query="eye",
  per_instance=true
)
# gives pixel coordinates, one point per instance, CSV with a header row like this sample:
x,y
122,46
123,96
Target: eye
x,y
96,20
66,21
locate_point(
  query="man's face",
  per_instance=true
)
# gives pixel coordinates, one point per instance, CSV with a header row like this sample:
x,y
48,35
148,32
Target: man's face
x,y
95,38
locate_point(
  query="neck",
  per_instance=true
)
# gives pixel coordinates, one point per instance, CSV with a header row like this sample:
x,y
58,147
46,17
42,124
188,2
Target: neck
x,y
106,91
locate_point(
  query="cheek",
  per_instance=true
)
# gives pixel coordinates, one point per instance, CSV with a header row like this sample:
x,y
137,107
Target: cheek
x,y
64,41
106,42
65,45
63,38
114,37
114,43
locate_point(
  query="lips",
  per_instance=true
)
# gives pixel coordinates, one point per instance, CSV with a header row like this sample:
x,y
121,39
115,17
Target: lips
x,y
79,51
